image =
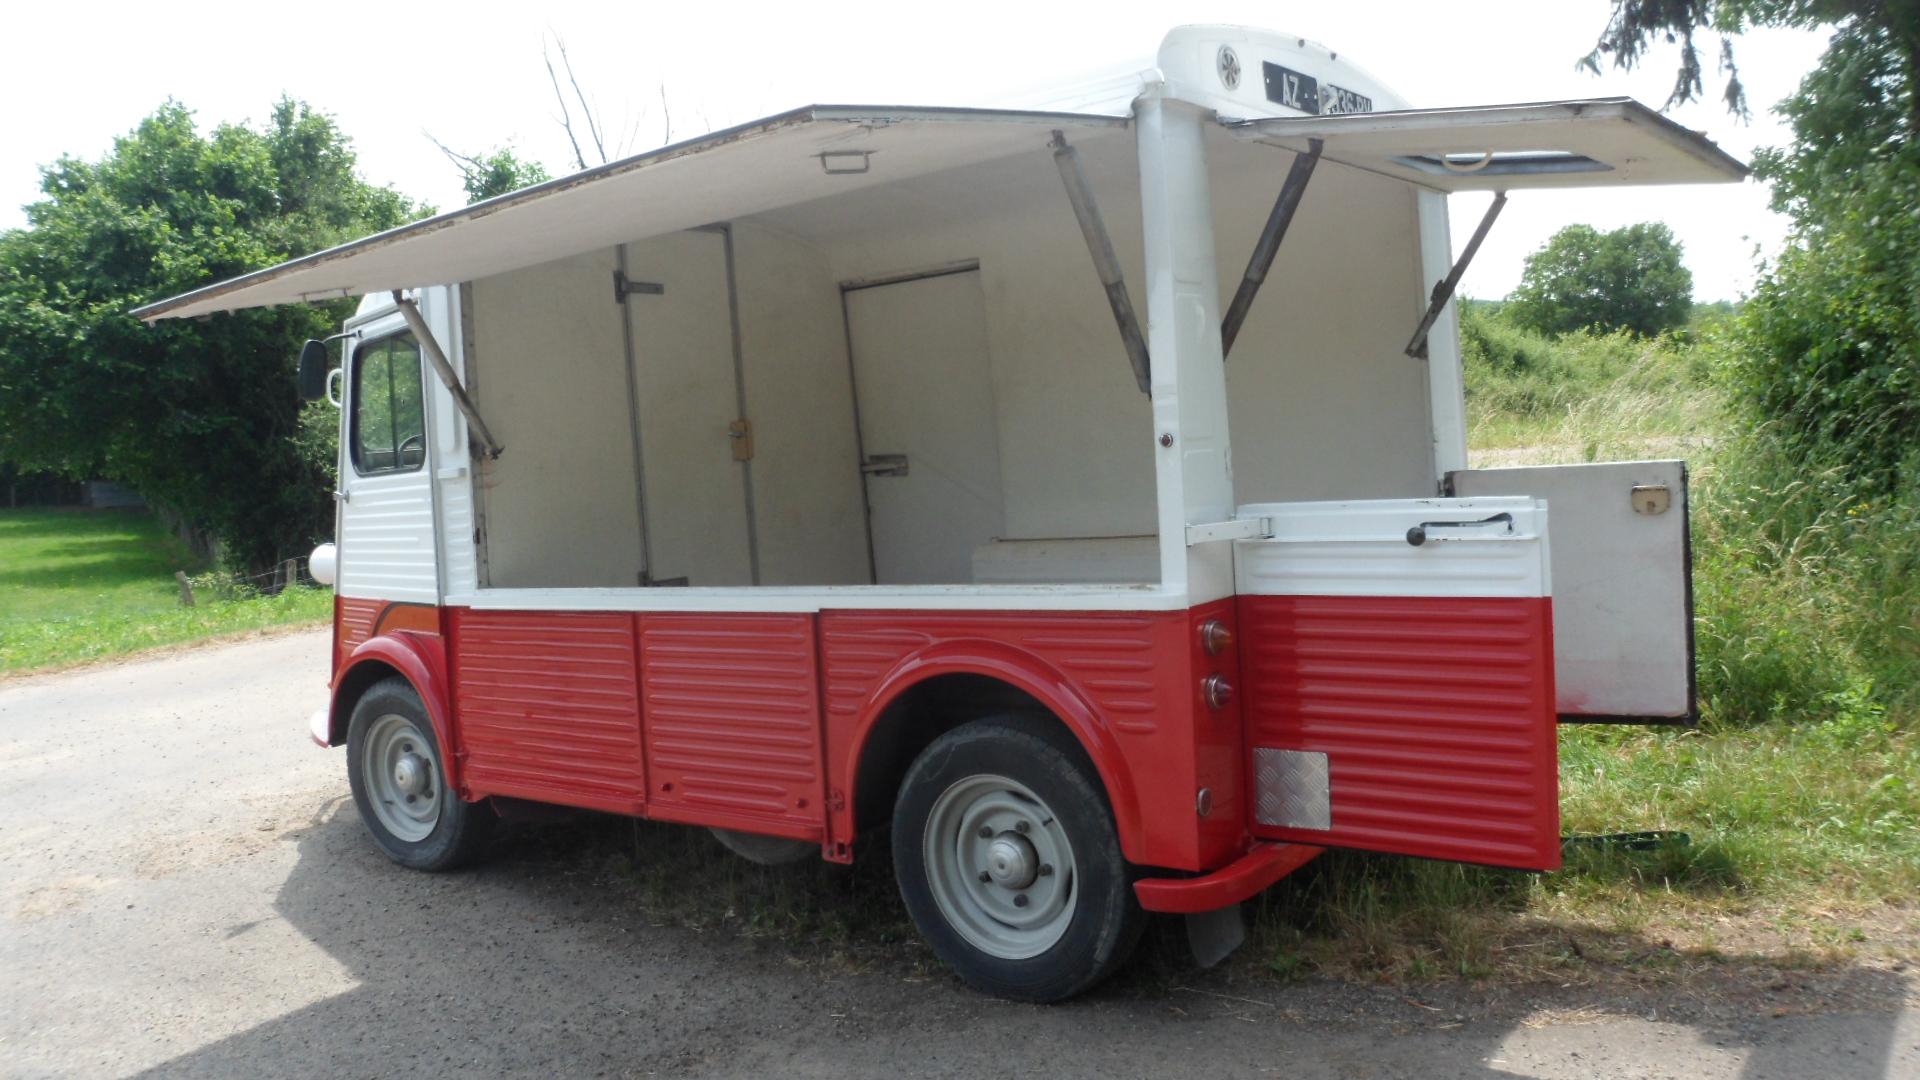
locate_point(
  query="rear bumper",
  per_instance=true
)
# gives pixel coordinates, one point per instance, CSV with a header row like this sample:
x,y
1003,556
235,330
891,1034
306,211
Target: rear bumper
x,y
1267,863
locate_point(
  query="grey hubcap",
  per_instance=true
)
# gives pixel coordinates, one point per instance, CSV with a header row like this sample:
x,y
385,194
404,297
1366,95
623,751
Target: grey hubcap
x,y
1000,867
402,779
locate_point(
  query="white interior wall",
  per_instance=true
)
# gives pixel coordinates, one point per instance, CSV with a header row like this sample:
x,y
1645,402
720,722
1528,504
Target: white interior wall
x,y
1076,437
808,508
1323,401
559,503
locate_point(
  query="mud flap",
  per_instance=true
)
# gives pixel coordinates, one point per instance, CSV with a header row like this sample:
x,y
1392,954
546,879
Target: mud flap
x,y
1215,934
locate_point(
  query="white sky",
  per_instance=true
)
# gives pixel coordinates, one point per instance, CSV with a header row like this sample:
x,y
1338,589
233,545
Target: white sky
x,y
471,74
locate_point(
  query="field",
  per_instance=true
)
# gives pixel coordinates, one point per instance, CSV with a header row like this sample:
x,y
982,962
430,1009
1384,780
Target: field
x,y
78,585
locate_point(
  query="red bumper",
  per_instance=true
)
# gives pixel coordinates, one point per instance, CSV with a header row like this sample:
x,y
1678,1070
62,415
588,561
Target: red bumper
x,y
1245,876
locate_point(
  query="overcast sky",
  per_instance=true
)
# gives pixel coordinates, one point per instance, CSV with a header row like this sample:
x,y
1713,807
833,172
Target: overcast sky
x,y
472,76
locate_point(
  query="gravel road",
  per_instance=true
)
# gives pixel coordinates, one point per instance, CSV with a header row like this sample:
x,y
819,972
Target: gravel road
x,y
185,890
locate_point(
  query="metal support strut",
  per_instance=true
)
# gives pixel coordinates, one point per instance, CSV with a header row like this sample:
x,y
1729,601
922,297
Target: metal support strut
x,y
1443,292
1105,262
438,359
1269,245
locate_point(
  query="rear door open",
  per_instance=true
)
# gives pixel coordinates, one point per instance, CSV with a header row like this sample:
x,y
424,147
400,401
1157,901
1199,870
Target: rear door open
x,y
1407,661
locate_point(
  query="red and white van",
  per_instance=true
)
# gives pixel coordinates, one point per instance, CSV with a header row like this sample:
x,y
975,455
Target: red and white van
x,y
952,471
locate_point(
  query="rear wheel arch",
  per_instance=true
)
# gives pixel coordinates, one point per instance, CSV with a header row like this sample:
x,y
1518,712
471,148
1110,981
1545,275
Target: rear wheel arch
x,y
916,713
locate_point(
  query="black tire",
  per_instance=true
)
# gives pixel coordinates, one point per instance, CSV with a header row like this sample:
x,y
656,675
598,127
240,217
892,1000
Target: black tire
x,y
390,717
946,802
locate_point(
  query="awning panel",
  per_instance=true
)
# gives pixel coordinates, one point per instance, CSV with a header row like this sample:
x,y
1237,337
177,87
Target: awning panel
x,y
1600,142
792,158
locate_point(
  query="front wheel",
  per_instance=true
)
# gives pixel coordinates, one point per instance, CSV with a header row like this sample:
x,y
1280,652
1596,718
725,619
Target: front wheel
x,y
399,784
1009,861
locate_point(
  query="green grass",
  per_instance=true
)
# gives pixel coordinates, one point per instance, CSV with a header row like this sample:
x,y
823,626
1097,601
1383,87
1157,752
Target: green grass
x,y
84,584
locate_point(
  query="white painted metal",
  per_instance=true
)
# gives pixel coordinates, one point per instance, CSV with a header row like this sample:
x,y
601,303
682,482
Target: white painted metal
x,y
387,523
804,598
1183,319
1622,619
1361,549
1630,144
1241,529
1446,377
925,391
696,508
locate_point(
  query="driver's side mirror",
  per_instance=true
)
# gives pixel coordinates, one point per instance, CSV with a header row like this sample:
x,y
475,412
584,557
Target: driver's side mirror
x,y
313,371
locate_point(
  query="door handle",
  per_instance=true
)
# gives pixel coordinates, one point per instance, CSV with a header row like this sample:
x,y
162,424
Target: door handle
x,y
1418,534
885,465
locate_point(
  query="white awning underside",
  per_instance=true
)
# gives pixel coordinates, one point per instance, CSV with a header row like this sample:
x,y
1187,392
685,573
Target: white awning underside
x,y
745,170
819,151
1597,143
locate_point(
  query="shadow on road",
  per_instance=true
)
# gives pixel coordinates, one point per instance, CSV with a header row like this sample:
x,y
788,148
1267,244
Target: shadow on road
x,y
536,965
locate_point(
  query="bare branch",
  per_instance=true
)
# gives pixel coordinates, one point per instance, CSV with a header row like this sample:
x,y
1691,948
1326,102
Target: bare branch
x,y
566,118
667,114
586,110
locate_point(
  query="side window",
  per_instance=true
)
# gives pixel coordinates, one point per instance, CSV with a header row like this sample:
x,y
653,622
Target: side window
x,y
389,424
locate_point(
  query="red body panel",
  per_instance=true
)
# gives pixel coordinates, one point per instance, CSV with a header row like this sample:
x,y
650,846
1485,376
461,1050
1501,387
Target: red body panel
x,y
548,707
732,711
1246,876
1125,683
1436,716
353,623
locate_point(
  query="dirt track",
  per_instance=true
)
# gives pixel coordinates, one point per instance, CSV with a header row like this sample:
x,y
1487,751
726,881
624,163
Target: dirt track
x,y
186,890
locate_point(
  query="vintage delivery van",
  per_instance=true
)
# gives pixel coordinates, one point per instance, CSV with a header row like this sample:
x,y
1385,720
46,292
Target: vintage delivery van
x,y
1078,492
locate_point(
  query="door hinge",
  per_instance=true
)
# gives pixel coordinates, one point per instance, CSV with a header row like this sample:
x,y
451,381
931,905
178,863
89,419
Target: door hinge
x,y
885,465
741,432
622,288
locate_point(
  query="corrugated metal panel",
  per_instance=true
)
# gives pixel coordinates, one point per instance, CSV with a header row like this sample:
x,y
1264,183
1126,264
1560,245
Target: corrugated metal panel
x,y
1436,715
353,623
547,706
733,719
1136,670
386,539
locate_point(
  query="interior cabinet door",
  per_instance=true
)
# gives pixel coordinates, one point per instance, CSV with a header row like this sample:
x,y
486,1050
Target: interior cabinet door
x,y
928,430
694,490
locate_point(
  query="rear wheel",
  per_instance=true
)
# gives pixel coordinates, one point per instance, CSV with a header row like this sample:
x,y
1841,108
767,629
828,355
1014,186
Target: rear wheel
x,y
399,784
1009,861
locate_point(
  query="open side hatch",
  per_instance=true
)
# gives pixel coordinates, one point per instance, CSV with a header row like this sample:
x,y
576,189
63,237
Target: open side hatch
x,y
1622,584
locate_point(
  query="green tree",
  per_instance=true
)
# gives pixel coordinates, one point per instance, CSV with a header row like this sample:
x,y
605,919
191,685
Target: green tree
x,y
202,416
493,174
1584,279
1830,354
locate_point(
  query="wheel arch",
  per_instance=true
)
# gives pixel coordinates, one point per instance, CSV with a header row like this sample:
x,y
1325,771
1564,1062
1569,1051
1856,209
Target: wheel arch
x,y
419,659
939,689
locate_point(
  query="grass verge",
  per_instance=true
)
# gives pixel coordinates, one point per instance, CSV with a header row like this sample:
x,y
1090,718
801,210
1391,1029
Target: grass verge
x,y
78,585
